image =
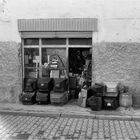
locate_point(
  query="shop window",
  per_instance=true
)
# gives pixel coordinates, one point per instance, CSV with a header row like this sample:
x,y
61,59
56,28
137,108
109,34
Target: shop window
x,y
47,52
31,41
30,56
31,72
31,62
47,55
54,41
80,41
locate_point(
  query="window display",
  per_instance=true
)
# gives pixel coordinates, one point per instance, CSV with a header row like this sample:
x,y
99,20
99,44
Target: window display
x,y
31,62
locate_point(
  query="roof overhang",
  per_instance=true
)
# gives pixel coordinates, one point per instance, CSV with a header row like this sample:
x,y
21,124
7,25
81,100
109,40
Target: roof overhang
x,y
58,25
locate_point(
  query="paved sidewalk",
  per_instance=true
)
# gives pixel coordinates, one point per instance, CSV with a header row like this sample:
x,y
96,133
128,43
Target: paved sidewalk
x,y
58,128
69,110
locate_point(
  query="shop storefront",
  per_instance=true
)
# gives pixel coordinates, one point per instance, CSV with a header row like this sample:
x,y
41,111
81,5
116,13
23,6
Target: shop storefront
x,y
70,39
65,37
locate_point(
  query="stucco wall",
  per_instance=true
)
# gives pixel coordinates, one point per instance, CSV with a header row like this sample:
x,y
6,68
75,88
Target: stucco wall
x,y
117,62
118,20
10,71
116,44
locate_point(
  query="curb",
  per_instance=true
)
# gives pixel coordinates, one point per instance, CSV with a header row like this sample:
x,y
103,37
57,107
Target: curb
x,y
30,113
70,115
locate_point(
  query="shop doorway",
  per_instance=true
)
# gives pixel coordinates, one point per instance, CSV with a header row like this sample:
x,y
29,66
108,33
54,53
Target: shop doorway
x,y
80,64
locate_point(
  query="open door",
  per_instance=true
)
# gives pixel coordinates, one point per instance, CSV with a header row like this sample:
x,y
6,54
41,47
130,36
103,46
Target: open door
x,y
80,64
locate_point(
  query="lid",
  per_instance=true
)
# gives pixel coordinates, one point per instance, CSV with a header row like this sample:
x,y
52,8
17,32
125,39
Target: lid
x,y
111,94
111,86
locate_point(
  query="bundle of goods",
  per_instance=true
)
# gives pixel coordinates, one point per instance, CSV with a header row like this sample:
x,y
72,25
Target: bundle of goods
x,y
43,97
29,91
45,85
88,72
95,103
95,96
28,98
74,93
45,71
111,98
55,62
98,90
30,84
60,84
59,95
125,97
74,87
72,82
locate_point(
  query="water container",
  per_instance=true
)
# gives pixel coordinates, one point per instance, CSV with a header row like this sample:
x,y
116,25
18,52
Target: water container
x,y
125,99
82,98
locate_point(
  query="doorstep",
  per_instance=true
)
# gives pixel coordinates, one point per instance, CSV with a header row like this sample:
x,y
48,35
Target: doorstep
x,y
70,109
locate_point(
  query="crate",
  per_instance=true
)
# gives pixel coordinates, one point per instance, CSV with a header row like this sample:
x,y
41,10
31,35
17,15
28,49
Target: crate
x,y
97,90
72,82
28,97
43,97
59,97
111,86
95,103
60,85
74,93
45,84
30,84
55,73
111,101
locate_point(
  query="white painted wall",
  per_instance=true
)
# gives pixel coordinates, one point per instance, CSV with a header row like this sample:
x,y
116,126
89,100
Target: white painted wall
x,y
119,20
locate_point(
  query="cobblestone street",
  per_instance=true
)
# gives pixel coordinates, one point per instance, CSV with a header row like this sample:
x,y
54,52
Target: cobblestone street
x,y
51,128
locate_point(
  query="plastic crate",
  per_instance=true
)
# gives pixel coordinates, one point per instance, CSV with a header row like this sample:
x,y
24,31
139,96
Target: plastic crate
x,y
30,84
59,98
95,103
42,97
45,84
28,97
60,85
111,101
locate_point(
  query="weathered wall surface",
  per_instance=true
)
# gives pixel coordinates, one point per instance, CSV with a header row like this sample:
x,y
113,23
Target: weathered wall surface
x,y
117,62
10,71
116,56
